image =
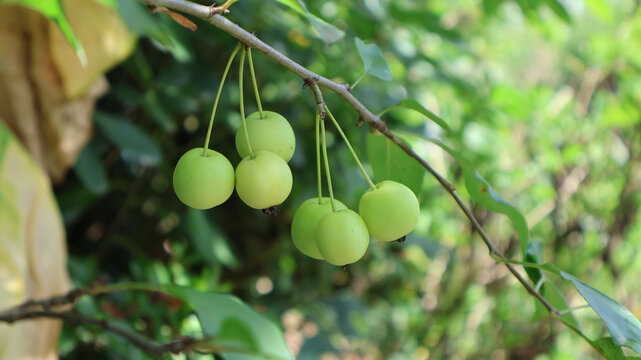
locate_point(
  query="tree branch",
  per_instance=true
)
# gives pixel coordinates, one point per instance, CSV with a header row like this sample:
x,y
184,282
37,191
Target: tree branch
x,y
45,308
313,80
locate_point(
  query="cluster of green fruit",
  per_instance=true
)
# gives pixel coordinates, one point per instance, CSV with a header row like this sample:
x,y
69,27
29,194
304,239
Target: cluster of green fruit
x,y
322,228
325,229
205,178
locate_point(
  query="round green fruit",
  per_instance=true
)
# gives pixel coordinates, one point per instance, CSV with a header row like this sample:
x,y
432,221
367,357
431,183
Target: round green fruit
x,y
390,211
305,221
264,181
203,181
271,133
342,237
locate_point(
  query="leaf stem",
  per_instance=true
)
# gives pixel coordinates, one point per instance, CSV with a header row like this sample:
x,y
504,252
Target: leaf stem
x,y
329,177
242,105
318,159
220,89
349,146
251,70
359,80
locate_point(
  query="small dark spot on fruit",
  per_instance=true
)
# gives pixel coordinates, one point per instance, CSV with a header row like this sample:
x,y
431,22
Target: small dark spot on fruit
x,y
401,239
270,211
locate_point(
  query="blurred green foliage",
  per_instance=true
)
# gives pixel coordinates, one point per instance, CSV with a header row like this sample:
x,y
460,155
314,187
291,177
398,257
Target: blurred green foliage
x,y
542,98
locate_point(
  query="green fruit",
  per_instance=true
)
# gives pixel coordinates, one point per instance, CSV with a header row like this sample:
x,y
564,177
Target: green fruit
x,y
305,221
264,181
342,237
390,211
272,133
203,182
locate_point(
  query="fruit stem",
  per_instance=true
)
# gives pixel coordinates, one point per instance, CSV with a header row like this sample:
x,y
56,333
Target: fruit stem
x,y
251,70
220,89
329,178
349,146
242,105
318,161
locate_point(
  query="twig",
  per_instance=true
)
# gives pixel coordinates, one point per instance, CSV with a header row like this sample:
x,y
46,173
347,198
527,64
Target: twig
x,y
45,308
314,80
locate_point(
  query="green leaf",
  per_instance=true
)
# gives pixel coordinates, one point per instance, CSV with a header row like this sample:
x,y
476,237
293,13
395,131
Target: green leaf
x,y
230,322
54,11
132,140
209,241
389,162
624,327
416,106
328,32
609,349
373,61
89,170
554,296
109,3
558,9
484,194
294,5
234,330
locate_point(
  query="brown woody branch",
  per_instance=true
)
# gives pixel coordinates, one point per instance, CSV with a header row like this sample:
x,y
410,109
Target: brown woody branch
x,y
56,308
313,80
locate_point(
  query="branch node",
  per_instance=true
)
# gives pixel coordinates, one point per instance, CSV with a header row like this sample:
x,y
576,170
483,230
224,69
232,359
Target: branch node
x,y
348,87
360,121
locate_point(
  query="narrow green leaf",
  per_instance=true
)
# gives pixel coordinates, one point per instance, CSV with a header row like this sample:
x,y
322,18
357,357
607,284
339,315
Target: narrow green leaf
x,y
109,3
609,349
327,32
54,11
389,162
484,194
89,170
294,5
232,323
373,61
624,327
416,106
558,9
132,140
554,296
208,240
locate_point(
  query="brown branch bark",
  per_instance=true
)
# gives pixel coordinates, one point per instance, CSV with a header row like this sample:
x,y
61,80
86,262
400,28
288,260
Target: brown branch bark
x,y
50,308
314,81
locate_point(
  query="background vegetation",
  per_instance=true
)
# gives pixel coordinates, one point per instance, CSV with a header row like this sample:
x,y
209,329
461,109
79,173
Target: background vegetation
x,y
543,98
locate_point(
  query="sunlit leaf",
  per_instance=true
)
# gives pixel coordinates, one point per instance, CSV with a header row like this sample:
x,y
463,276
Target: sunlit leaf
x,y
133,141
54,11
90,172
624,327
389,162
373,61
416,106
232,323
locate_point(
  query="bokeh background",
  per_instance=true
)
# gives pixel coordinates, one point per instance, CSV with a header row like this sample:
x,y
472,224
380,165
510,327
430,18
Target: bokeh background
x,y
543,98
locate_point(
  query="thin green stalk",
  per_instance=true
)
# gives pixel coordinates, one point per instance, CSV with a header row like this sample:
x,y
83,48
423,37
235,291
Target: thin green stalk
x,y
242,105
349,146
329,178
220,89
251,70
318,161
